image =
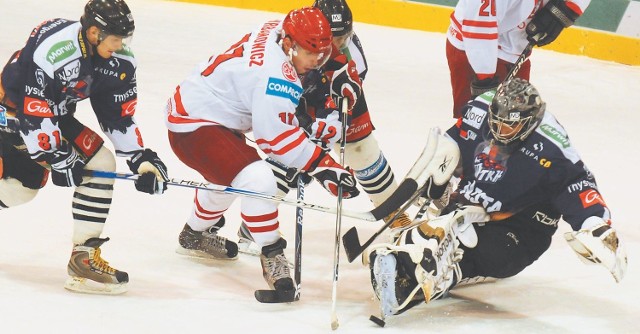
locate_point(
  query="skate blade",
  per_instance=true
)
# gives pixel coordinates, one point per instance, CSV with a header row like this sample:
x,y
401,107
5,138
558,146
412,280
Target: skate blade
x,y
202,255
84,285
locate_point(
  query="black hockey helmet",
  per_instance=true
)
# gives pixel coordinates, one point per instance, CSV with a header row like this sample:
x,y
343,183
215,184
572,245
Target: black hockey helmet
x,y
111,16
515,112
338,14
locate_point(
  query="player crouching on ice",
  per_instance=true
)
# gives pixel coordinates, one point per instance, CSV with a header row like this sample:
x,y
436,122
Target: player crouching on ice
x,y
252,87
519,176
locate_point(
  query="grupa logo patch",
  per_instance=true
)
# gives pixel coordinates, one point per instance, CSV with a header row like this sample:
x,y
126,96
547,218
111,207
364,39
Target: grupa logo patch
x,y
285,89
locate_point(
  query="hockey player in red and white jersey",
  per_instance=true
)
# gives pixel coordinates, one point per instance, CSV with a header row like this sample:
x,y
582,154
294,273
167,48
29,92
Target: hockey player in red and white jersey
x,y
486,37
253,86
63,63
340,77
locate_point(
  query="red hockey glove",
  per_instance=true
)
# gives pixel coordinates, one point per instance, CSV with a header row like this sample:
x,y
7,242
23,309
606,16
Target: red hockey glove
x,y
329,173
344,79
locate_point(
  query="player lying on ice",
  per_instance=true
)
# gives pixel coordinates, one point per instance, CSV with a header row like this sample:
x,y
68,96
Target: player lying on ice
x,y
519,174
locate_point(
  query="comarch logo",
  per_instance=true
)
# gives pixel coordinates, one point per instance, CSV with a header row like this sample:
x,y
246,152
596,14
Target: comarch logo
x,y
60,51
283,88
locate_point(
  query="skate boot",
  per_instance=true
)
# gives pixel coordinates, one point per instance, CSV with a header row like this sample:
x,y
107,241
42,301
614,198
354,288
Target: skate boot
x,y
275,269
207,244
246,244
89,273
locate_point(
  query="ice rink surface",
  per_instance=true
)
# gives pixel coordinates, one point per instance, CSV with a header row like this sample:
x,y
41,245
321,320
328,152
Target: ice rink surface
x,y
408,92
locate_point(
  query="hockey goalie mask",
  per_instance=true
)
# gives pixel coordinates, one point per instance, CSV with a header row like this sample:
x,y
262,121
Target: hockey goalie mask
x,y
515,112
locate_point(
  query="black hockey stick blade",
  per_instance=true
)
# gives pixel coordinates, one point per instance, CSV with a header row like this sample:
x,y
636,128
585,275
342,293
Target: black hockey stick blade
x,y
273,296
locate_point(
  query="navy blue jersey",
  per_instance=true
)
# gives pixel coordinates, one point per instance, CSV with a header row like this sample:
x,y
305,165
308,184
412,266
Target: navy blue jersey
x,y
53,72
542,180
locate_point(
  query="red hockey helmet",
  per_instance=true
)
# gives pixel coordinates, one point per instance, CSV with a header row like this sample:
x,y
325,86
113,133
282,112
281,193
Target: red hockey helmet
x,y
309,28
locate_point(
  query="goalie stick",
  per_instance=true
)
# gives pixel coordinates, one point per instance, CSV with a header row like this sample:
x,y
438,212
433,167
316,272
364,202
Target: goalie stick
x,y
418,181
394,201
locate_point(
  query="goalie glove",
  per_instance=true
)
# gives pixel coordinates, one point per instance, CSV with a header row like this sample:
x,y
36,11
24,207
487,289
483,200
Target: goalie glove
x,y
153,172
597,242
330,174
344,78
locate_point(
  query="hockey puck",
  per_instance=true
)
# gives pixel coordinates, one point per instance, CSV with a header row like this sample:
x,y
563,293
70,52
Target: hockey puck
x,y
377,320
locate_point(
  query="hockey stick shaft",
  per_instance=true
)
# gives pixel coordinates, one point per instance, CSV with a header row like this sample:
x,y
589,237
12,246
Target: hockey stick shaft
x,y
336,251
372,216
297,271
517,65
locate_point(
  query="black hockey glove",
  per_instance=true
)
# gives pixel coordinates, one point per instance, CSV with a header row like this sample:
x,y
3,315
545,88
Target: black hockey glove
x,y
152,172
67,167
288,175
344,78
329,173
478,87
549,21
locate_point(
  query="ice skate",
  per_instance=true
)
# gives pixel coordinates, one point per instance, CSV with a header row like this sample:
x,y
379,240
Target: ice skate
x,y
89,273
275,270
206,244
246,244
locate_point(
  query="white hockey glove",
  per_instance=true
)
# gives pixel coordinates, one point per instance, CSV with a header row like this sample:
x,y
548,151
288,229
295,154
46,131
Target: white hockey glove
x,y
463,228
597,242
153,172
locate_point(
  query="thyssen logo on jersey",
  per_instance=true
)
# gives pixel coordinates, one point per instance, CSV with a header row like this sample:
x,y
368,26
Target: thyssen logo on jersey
x,y
285,89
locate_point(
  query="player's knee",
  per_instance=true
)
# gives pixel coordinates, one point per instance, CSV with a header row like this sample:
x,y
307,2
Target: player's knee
x,y
13,193
257,176
363,153
103,160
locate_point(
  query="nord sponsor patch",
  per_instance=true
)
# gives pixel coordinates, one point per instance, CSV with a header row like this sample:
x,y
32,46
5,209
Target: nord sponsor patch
x,y
285,89
474,117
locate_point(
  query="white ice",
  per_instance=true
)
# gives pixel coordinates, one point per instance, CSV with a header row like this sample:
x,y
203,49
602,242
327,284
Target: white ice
x,y
408,92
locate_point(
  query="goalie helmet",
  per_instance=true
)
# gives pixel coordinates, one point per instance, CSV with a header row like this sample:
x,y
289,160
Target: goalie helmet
x,y
338,14
515,112
111,16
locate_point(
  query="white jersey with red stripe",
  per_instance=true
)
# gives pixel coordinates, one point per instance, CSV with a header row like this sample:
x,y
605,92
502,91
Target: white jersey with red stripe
x,y
490,29
253,86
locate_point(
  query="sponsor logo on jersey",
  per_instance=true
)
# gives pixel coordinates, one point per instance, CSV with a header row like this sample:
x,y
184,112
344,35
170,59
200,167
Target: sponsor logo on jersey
x,y
3,116
60,51
129,108
487,169
474,117
591,197
555,135
289,72
476,195
33,91
107,72
40,79
69,72
580,185
114,62
544,219
468,135
336,17
117,98
88,141
36,108
285,89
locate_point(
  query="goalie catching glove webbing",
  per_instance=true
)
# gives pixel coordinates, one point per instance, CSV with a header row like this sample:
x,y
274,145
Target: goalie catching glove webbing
x,y
597,242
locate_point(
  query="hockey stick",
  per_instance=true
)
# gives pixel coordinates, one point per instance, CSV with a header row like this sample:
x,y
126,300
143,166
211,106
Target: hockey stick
x,y
517,65
297,274
386,208
350,239
336,251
